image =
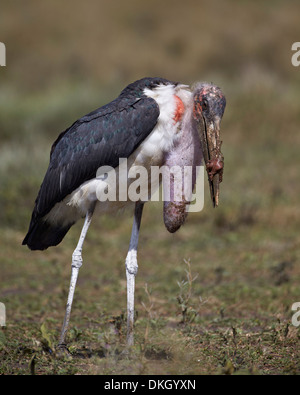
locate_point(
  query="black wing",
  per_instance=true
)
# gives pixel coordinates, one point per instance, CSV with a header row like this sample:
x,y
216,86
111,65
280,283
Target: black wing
x,y
97,139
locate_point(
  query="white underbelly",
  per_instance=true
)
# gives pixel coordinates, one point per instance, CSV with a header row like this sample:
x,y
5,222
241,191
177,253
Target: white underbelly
x,y
121,187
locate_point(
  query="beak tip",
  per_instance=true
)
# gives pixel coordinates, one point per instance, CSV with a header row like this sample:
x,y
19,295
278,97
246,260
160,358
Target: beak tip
x,y
215,203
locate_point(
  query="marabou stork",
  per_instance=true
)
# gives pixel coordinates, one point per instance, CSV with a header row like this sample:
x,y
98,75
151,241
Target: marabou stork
x,y
153,122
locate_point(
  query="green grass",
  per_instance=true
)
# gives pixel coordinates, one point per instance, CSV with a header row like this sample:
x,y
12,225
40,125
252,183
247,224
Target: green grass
x,y
214,298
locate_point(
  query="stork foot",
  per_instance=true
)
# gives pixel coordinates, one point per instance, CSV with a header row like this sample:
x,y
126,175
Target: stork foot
x,y
131,270
62,351
76,264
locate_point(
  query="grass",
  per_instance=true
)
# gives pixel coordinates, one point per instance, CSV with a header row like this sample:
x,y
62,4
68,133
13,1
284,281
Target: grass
x,y
214,298
229,310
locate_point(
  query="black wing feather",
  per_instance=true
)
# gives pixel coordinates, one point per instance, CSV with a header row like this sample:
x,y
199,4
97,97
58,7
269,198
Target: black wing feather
x,y
99,138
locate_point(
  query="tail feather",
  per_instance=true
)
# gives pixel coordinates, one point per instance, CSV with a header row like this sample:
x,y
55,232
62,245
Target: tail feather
x,y
42,234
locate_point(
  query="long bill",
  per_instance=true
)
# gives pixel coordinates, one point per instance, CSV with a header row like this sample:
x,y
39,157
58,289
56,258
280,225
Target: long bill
x,y
209,135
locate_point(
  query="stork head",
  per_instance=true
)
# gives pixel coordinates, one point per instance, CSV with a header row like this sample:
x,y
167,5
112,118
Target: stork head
x,y
208,108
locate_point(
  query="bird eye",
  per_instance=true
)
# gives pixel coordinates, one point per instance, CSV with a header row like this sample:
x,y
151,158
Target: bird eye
x,y
204,104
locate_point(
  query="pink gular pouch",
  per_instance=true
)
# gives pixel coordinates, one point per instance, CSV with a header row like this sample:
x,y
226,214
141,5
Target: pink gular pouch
x,y
180,172
198,140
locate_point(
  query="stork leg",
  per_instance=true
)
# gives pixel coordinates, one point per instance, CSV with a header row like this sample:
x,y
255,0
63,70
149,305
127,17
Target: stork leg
x,y
76,264
132,268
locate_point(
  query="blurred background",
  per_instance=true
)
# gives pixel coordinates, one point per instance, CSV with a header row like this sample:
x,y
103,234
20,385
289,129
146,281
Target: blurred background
x,y
64,59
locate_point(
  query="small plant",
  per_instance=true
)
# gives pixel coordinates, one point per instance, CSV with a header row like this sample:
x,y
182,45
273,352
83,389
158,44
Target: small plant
x,y
188,313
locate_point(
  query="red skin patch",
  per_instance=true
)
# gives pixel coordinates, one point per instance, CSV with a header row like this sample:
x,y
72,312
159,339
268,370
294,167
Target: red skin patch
x,y
215,166
179,109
